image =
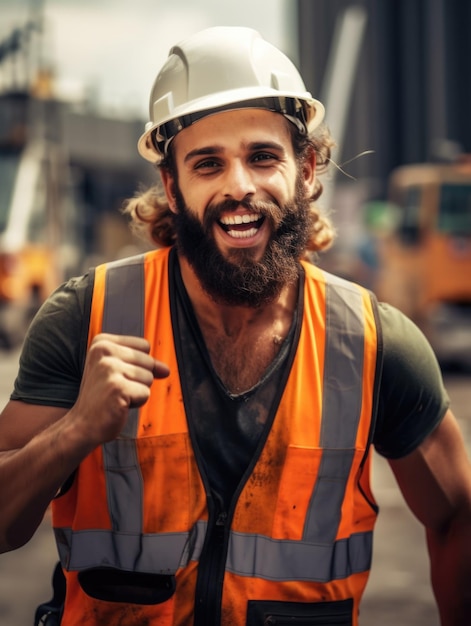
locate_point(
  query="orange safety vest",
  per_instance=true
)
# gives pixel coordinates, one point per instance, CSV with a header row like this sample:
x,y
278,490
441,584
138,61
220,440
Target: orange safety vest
x,y
299,540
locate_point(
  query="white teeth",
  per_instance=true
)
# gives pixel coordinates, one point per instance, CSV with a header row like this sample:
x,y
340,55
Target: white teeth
x,y
239,219
242,234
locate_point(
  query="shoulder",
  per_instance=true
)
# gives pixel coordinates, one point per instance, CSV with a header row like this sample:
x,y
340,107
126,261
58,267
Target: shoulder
x,y
72,297
412,396
55,345
66,311
406,349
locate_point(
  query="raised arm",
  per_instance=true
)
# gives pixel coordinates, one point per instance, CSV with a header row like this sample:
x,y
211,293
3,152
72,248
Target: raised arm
x,y
435,480
41,446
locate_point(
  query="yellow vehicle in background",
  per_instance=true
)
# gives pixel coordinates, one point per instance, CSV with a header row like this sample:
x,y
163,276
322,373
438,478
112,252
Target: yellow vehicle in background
x,y
424,261
36,235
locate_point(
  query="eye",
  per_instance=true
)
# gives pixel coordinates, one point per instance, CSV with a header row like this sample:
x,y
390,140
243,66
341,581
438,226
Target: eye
x,y
207,164
261,157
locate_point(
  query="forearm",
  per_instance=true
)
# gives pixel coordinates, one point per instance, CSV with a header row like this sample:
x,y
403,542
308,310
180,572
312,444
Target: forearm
x,y
435,480
450,556
31,476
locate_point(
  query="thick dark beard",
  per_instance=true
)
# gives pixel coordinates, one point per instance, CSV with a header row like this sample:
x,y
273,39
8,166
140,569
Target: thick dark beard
x,y
238,280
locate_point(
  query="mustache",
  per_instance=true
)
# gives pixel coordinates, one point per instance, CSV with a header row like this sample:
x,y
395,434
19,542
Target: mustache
x,y
265,208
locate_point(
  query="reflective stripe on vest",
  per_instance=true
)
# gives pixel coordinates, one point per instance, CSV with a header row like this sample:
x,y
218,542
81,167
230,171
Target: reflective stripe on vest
x,y
341,410
123,314
318,557
248,555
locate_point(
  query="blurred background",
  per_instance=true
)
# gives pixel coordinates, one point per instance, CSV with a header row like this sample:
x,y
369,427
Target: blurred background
x,y
395,78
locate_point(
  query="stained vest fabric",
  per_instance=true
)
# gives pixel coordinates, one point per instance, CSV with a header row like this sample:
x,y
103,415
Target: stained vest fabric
x,y
297,542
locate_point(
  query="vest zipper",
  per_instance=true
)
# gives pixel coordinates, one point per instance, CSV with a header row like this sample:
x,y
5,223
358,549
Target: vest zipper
x,y
211,571
212,562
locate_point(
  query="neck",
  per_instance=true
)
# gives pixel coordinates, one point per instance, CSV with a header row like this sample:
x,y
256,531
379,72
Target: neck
x,y
241,341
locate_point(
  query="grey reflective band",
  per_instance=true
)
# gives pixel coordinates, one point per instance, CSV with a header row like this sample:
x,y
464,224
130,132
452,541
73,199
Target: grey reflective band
x,y
160,553
343,369
323,515
318,557
124,485
263,557
341,408
123,314
248,555
123,309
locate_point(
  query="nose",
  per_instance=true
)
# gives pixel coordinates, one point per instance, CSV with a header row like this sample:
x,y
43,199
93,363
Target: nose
x,y
238,181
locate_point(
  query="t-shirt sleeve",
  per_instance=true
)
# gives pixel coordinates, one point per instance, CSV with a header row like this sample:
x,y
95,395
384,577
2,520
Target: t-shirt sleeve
x,y
53,353
412,396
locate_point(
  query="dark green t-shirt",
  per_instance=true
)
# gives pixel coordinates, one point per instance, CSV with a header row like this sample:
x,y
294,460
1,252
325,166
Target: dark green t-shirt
x,y
412,398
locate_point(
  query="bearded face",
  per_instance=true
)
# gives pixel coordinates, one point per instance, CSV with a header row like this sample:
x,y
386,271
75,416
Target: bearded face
x,y
236,278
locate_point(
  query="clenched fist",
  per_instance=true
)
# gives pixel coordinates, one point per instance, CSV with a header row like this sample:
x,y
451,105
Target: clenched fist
x,y
118,374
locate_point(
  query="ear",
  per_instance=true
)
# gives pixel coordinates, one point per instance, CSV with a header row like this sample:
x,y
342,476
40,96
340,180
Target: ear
x,y
309,173
169,188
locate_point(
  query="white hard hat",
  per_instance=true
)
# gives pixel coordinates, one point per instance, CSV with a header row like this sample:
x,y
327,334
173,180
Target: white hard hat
x,y
219,69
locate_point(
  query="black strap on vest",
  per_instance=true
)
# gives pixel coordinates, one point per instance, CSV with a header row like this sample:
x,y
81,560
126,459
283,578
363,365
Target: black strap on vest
x,y
50,613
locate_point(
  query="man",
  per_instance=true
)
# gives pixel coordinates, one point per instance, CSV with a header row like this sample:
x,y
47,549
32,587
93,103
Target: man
x,y
208,451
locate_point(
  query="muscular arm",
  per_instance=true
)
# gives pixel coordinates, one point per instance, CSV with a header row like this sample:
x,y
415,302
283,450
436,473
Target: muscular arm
x,y
42,445
435,480
40,459
421,440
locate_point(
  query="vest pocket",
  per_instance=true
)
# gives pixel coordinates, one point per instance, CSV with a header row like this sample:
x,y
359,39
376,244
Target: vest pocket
x,y
275,613
112,585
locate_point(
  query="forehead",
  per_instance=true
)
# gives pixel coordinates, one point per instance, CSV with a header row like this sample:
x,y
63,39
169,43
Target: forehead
x,y
236,129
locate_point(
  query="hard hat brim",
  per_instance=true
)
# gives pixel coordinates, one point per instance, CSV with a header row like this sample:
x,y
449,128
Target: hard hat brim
x,y
313,110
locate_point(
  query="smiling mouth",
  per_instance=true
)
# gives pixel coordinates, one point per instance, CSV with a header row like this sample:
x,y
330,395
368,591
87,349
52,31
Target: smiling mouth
x,y
241,226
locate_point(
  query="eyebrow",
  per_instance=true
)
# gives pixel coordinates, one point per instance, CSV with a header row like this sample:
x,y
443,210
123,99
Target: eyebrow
x,y
251,147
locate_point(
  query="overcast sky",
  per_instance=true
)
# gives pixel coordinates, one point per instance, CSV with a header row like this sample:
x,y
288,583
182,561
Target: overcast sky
x,y
114,48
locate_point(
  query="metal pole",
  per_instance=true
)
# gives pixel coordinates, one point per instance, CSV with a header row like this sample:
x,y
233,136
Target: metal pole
x,y
337,89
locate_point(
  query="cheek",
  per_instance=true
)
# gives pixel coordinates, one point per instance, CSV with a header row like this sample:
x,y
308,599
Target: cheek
x,y
282,187
196,197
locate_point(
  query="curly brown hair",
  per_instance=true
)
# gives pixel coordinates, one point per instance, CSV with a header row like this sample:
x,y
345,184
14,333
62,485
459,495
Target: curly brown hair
x,y
152,219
